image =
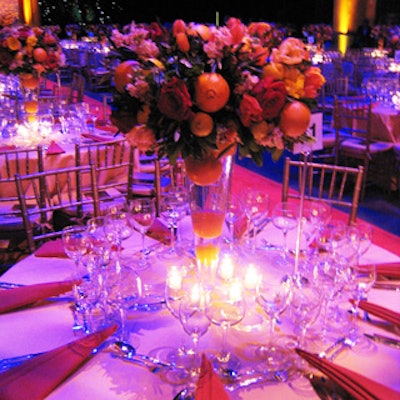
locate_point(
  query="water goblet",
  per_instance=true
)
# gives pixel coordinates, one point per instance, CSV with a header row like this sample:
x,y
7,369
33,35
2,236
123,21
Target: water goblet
x,y
143,212
225,307
273,295
365,234
285,216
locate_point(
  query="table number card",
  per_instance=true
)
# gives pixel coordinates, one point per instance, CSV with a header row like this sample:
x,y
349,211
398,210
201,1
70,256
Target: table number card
x,y
314,130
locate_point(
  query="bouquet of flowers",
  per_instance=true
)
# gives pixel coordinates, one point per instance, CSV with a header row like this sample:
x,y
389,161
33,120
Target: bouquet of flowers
x,y
200,91
27,50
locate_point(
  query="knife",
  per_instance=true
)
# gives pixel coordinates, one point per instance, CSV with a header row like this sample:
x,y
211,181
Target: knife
x,y
384,340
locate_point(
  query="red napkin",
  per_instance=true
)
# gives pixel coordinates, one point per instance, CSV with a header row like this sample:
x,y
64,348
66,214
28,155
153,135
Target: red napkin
x,y
54,148
356,385
52,248
22,296
7,147
388,270
105,126
94,138
381,312
159,231
39,376
209,386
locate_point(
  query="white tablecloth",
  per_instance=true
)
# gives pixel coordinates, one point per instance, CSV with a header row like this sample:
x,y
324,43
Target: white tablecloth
x,y
103,377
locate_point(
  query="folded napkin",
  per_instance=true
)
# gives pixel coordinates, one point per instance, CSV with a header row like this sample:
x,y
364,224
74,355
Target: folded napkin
x,y
158,231
25,295
38,377
52,248
381,312
7,147
95,138
105,126
358,386
209,386
388,270
54,148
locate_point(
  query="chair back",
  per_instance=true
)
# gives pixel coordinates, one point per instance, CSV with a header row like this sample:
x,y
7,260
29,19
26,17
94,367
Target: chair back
x,y
336,185
59,200
16,161
112,160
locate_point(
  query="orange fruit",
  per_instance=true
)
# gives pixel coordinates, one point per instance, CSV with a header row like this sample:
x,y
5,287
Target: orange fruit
x,y
39,54
295,118
201,124
208,224
29,81
211,92
123,74
203,171
31,106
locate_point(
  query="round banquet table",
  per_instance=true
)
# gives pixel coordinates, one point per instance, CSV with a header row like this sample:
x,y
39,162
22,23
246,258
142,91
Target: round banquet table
x,y
43,328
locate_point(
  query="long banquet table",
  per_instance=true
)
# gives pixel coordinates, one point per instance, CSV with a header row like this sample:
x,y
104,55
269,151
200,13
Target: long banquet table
x,y
45,327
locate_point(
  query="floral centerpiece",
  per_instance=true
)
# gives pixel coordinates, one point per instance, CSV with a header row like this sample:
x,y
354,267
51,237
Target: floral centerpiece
x,y
28,51
198,92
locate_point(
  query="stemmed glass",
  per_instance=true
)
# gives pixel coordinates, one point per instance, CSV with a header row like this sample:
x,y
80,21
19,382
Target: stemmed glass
x,y
234,212
143,211
256,206
285,216
118,227
305,307
173,207
75,243
365,234
361,278
273,295
225,307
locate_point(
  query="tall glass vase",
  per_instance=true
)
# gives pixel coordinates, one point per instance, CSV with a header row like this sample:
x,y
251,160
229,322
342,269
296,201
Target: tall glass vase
x,y
209,185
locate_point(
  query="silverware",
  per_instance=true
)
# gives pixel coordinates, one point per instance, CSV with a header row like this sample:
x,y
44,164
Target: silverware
x,y
384,340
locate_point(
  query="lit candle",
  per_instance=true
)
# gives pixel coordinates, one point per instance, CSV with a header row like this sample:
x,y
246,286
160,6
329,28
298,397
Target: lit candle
x,y
195,294
251,278
174,279
235,292
226,268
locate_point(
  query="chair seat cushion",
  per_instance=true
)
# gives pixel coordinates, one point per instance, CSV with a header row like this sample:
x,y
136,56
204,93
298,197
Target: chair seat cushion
x,y
357,145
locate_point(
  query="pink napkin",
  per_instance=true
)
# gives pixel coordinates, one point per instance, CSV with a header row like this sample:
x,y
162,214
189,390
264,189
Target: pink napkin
x,y
38,377
381,312
52,248
54,148
358,386
209,386
94,138
13,299
388,270
158,231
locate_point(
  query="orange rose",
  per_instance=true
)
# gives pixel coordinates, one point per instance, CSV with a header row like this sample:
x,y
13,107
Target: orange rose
x,y
291,51
183,42
141,137
313,81
178,26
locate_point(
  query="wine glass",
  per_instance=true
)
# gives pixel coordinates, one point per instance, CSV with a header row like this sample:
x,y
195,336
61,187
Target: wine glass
x,y
273,295
361,278
285,216
143,211
225,307
256,206
234,212
193,318
173,207
305,307
365,234
76,244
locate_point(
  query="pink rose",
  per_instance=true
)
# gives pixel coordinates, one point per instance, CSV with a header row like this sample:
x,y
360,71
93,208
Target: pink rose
x,y
250,110
174,101
271,95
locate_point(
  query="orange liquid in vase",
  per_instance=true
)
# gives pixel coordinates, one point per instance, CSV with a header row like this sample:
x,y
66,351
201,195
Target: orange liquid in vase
x,y
208,224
